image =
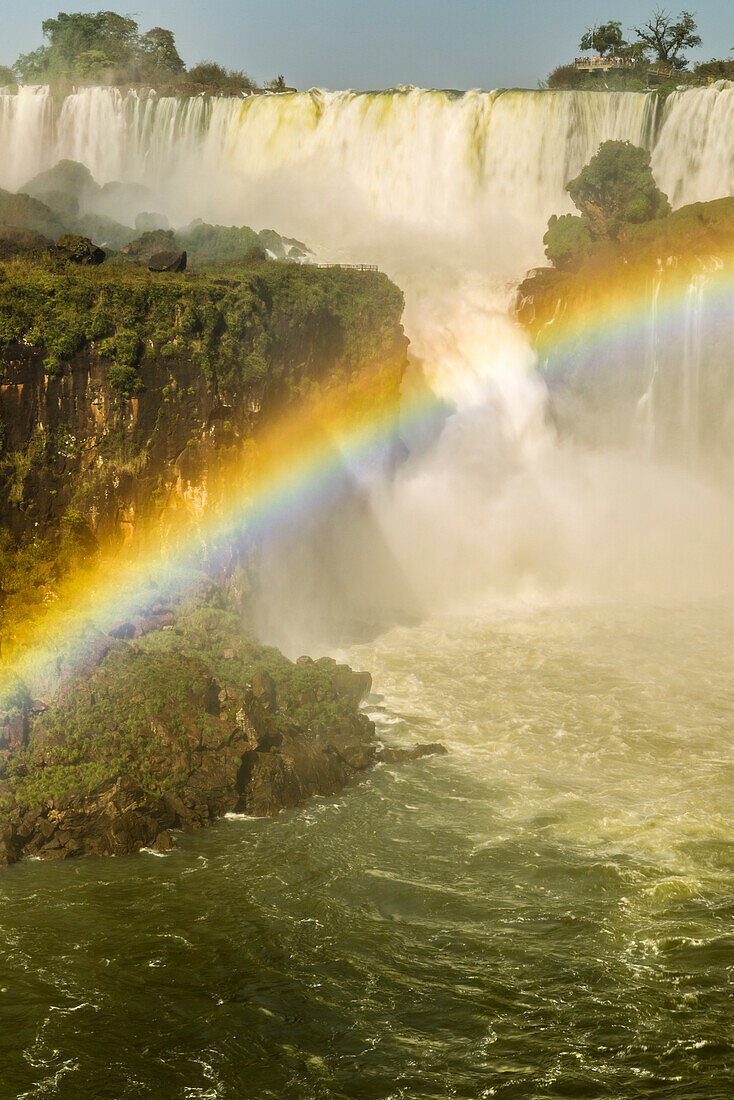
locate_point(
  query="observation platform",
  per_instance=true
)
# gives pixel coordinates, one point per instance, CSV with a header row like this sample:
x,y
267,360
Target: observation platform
x,y
602,64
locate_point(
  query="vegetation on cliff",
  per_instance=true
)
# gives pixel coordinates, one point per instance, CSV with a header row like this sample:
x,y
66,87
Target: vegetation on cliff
x,y
614,191
623,235
130,399
103,46
123,387
176,719
225,321
652,56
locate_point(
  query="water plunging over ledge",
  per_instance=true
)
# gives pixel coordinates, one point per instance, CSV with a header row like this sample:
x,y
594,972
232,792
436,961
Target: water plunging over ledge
x,y
547,911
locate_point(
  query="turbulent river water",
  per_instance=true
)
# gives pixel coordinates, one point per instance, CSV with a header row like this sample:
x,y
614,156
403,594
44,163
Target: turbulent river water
x,y
548,911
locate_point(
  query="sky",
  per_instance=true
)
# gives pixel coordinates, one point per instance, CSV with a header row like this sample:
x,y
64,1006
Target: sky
x,y
365,44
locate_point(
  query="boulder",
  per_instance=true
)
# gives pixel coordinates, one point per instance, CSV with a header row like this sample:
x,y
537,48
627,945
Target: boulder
x,y
147,245
167,261
79,250
398,756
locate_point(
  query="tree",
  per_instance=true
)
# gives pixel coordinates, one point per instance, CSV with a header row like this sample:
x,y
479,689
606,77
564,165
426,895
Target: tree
x,y
278,84
667,38
568,240
617,188
614,190
158,49
95,45
603,39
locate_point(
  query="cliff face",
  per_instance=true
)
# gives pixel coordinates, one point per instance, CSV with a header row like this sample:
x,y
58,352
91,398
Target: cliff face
x,y
635,342
120,389
122,394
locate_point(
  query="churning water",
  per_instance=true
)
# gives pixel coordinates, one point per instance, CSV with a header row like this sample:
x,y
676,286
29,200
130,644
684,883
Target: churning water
x,y
548,911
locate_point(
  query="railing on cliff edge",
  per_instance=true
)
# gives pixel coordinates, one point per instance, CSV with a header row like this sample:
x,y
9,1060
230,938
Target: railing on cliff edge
x,y
350,267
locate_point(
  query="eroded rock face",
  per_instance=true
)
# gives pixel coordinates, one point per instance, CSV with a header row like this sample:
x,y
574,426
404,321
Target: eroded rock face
x,y
79,250
169,730
167,261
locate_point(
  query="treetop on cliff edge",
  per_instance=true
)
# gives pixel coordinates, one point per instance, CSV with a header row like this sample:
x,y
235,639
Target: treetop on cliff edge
x,y
105,47
615,190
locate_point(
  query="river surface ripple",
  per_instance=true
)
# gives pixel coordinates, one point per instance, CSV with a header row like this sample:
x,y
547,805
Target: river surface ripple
x,y
546,912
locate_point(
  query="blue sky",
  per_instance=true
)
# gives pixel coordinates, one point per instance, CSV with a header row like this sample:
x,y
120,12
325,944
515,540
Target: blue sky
x,y
376,43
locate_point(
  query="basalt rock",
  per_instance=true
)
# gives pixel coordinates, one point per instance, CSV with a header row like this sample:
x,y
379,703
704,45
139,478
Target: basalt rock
x,y
76,249
171,731
398,756
167,261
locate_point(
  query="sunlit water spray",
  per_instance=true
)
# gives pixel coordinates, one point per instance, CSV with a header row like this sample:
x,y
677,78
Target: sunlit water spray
x,y
546,910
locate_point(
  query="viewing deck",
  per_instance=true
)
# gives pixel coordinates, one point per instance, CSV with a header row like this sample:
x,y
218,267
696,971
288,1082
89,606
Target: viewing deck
x,y
602,64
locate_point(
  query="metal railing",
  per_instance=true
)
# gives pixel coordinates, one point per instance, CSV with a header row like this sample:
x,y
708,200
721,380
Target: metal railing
x,y
603,63
351,267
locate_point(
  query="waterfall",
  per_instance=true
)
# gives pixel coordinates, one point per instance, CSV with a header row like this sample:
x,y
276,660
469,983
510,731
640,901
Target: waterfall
x,y
450,194
475,171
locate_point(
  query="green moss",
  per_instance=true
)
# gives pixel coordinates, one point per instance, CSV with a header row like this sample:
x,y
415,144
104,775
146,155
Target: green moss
x,y
229,321
143,706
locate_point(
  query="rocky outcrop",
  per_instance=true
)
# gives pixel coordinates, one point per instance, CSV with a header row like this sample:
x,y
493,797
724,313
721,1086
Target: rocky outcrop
x,y
170,260
78,250
635,351
171,729
117,400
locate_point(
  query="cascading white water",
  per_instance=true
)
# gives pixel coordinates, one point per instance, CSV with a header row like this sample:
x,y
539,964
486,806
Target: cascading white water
x,y
353,173
450,194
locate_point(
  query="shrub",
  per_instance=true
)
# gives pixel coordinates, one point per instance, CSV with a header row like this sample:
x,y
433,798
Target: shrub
x,y
212,75
568,240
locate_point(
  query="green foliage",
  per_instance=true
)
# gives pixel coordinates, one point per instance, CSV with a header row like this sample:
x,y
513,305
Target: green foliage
x,y
616,188
211,75
666,37
603,39
141,712
7,77
124,349
236,323
158,49
715,69
217,242
568,240
100,45
277,84
634,77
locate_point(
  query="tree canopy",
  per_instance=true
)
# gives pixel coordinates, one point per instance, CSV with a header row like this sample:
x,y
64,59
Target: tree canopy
x,y
667,37
95,45
614,190
663,35
603,39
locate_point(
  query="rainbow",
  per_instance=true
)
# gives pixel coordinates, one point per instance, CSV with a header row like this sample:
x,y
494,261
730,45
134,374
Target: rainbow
x,y
297,466
614,311
294,468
